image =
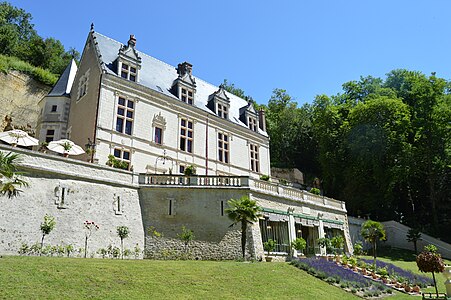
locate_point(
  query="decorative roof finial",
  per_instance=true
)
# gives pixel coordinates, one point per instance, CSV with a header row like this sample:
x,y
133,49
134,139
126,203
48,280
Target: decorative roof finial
x,y
92,26
132,41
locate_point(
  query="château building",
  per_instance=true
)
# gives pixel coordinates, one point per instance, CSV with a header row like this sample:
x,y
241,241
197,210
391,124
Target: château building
x,y
157,120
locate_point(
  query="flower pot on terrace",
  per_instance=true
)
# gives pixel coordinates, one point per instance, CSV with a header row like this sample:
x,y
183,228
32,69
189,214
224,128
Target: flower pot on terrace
x,y
268,258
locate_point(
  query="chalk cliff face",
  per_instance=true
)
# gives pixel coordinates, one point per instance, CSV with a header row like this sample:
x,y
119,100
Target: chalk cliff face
x,y
19,98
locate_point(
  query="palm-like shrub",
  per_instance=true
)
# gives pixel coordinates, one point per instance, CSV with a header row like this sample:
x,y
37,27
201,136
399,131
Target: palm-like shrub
x,y
373,232
9,179
413,236
244,211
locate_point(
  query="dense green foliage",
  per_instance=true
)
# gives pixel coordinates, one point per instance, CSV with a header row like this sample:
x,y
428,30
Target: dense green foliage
x,y
13,63
18,38
72,278
383,146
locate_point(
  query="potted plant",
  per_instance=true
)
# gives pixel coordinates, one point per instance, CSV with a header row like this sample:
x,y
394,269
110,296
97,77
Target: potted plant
x,y
66,146
337,243
299,244
269,246
325,243
43,147
353,262
190,170
264,177
384,274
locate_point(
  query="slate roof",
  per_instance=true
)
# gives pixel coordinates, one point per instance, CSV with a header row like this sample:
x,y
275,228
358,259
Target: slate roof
x,y
64,83
160,76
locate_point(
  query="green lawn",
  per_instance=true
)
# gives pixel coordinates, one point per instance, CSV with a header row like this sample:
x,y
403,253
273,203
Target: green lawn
x,y
406,260
76,278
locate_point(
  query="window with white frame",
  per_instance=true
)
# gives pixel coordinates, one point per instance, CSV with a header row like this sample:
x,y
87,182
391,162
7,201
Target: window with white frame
x,y
129,72
223,147
254,157
223,111
122,155
125,115
186,135
83,85
252,123
187,96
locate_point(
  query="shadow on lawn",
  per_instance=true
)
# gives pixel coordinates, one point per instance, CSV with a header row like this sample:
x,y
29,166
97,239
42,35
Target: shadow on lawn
x,y
396,254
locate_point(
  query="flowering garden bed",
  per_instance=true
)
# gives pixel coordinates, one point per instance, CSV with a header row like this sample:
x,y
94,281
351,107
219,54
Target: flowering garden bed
x,y
345,278
374,282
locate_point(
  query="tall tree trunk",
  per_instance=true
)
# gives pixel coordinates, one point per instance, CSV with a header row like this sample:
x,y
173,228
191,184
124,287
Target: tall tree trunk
x,y
122,248
243,238
86,245
42,244
435,284
374,252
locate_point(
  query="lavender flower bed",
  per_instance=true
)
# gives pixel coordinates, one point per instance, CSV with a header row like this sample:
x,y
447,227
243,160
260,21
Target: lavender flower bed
x,y
411,277
328,270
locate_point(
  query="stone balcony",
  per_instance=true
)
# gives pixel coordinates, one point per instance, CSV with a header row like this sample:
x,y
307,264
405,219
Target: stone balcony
x,y
255,185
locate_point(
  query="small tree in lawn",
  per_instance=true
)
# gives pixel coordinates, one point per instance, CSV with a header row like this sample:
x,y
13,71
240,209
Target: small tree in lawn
x,y
373,232
430,261
186,236
122,232
90,227
46,227
244,211
413,236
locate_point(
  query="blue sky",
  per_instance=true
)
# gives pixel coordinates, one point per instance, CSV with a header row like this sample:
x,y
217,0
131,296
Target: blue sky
x,y
306,47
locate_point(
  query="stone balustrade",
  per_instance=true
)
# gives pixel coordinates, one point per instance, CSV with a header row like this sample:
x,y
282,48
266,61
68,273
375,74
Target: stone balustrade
x,y
240,181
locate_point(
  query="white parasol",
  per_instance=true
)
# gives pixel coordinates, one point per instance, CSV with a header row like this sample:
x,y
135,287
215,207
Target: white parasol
x,y
18,137
66,147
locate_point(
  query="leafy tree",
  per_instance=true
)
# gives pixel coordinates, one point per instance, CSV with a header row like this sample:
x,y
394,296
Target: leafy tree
x,y
186,236
414,235
283,119
15,28
430,261
18,38
373,232
123,232
10,181
46,227
244,211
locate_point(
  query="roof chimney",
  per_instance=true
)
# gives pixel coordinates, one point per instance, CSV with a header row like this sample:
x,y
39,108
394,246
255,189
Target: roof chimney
x,y
185,68
261,119
132,41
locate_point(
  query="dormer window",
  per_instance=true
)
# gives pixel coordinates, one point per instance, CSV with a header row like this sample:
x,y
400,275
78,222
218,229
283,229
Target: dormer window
x,y
252,123
187,96
223,111
128,62
184,87
219,103
249,116
128,72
